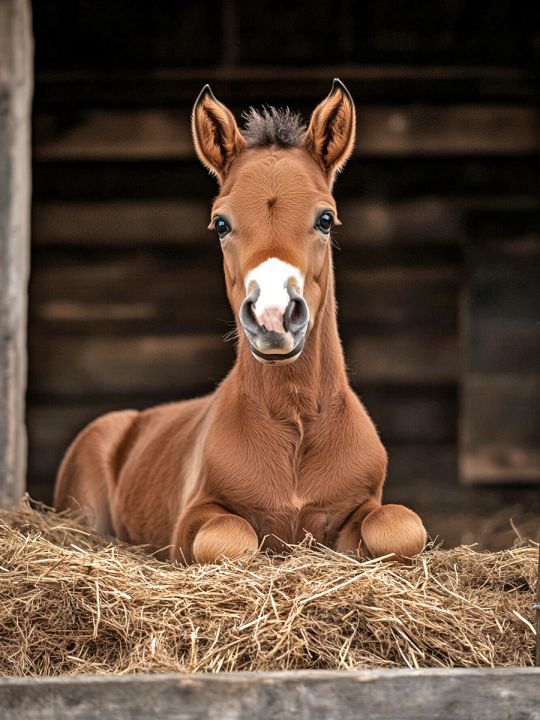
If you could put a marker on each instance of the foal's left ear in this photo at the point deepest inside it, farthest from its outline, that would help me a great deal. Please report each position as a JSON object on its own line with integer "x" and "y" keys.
{"x": 331, "y": 132}
{"x": 216, "y": 135}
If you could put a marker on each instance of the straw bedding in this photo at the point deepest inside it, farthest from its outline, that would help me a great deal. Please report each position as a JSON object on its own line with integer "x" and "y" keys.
{"x": 72, "y": 603}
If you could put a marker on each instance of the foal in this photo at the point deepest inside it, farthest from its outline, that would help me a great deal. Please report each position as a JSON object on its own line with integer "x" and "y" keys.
{"x": 283, "y": 446}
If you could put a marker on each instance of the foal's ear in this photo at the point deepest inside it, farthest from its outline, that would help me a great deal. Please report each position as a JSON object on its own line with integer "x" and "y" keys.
{"x": 216, "y": 135}
{"x": 330, "y": 135}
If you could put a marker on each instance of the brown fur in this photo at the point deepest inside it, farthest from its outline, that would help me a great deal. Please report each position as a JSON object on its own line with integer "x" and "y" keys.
{"x": 275, "y": 451}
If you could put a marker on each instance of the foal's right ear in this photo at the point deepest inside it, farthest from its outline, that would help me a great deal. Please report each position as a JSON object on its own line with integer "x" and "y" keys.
{"x": 216, "y": 135}
{"x": 330, "y": 135}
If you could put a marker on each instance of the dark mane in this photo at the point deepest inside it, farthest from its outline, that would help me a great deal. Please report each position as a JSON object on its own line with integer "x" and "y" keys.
{"x": 273, "y": 126}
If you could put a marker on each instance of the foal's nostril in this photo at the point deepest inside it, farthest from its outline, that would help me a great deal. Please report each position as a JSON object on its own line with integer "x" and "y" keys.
{"x": 296, "y": 315}
{"x": 247, "y": 315}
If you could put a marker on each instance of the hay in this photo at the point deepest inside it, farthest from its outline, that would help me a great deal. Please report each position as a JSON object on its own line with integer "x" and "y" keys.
{"x": 73, "y": 603}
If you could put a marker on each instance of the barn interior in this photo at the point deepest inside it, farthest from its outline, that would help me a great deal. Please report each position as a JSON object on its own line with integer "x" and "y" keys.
{"x": 437, "y": 261}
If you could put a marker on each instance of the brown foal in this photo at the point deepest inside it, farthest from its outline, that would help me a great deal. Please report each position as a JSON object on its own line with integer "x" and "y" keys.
{"x": 283, "y": 447}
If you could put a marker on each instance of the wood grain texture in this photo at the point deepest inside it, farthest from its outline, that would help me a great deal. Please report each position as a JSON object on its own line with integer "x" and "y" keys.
{"x": 15, "y": 100}
{"x": 382, "y": 178}
{"x": 408, "y": 130}
{"x": 503, "y": 694}
{"x": 142, "y": 365}
{"x": 500, "y": 429}
{"x": 69, "y": 88}
{"x": 404, "y": 358}
{"x": 421, "y": 221}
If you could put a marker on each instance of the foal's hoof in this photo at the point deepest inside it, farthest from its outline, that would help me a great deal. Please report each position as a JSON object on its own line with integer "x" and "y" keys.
{"x": 393, "y": 529}
{"x": 224, "y": 536}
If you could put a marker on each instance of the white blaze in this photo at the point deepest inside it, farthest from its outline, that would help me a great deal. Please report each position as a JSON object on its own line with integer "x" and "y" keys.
{"x": 272, "y": 277}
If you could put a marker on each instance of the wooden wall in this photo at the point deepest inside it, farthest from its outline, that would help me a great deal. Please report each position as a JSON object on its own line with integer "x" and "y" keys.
{"x": 127, "y": 301}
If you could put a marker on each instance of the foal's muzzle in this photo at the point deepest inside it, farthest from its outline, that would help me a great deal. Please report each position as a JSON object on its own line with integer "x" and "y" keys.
{"x": 268, "y": 344}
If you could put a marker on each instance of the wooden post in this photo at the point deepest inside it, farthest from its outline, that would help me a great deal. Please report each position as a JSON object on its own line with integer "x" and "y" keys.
{"x": 16, "y": 56}
{"x": 537, "y": 658}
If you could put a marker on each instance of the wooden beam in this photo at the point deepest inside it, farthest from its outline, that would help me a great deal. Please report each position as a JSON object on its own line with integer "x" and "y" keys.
{"x": 415, "y": 130}
{"x": 422, "y": 359}
{"x": 256, "y": 84}
{"x": 128, "y": 222}
{"x": 425, "y": 220}
{"x": 142, "y": 365}
{"x": 453, "y": 694}
{"x": 15, "y": 98}
{"x": 394, "y": 177}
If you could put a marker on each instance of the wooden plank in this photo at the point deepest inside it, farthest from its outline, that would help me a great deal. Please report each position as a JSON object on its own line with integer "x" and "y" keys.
{"x": 425, "y": 220}
{"x": 127, "y": 222}
{"x": 425, "y": 476}
{"x": 142, "y": 365}
{"x": 428, "y": 220}
{"x": 113, "y": 135}
{"x": 318, "y": 695}
{"x": 396, "y": 178}
{"x": 408, "y": 130}
{"x": 133, "y": 291}
{"x": 412, "y": 414}
{"x": 368, "y": 82}
{"x": 498, "y": 222}
{"x": 137, "y": 290}
{"x": 455, "y": 33}
{"x": 127, "y": 35}
{"x": 500, "y": 462}
{"x": 393, "y": 298}
{"x": 403, "y": 359}
{"x": 15, "y": 102}
{"x": 460, "y": 130}
{"x": 165, "y": 36}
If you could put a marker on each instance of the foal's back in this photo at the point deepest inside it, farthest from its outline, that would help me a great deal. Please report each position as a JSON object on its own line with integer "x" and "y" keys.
{"x": 127, "y": 470}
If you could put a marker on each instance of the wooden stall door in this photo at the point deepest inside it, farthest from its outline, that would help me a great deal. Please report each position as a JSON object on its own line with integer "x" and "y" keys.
{"x": 500, "y": 428}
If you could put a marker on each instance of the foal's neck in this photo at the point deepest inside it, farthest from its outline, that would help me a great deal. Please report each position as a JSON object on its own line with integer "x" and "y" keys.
{"x": 304, "y": 387}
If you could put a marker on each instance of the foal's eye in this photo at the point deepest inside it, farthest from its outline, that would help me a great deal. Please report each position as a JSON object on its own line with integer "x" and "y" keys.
{"x": 324, "y": 223}
{"x": 222, "y": 227}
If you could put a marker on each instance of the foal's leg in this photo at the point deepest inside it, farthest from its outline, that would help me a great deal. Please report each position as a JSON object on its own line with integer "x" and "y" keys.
{"x": 205, "y": 532}
{"x": 384, "y": 530}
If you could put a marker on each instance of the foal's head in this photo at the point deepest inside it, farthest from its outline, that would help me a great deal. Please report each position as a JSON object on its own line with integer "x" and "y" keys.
{"x": 274, "y": 212}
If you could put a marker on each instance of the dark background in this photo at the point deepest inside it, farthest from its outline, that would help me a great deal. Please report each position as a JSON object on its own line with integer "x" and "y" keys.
{"x": 439, "y": 257}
